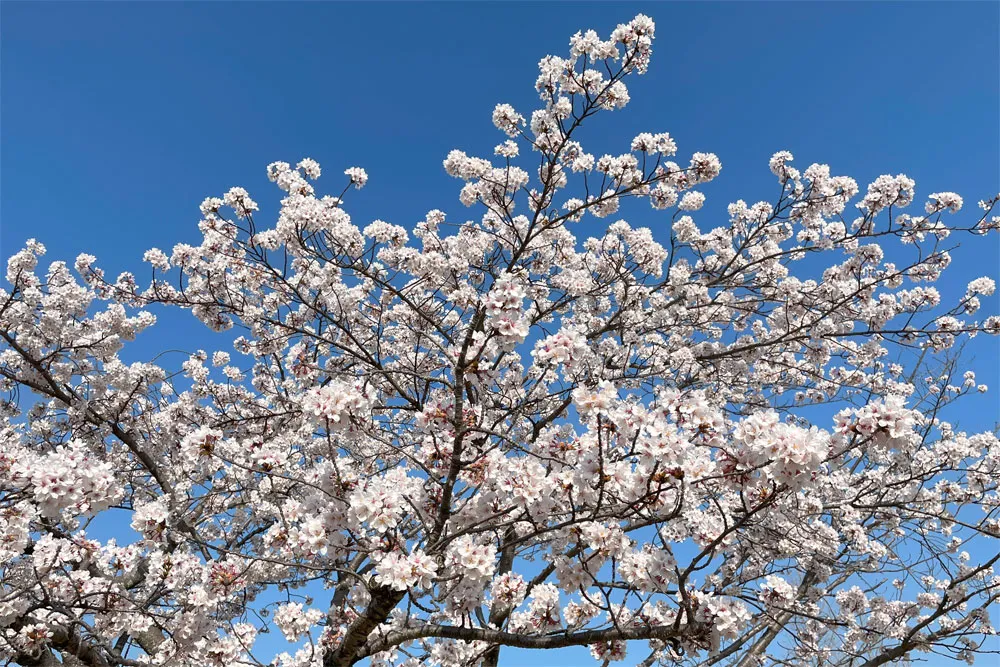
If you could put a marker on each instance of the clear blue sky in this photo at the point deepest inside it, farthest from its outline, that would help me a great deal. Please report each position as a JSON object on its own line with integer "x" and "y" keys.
{"x": 119, "y": 118}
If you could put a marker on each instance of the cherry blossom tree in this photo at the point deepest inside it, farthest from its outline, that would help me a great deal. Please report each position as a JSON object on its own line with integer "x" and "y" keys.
{"x": 423, "y": 447}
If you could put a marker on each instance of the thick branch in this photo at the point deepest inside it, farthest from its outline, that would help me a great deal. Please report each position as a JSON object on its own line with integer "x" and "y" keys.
{"x": 516, "y": 640}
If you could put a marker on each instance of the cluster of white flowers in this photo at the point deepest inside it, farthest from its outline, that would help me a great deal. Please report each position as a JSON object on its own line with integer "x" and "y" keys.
{"x": 157, "y": 259}
{"x": 727, "y": 615}
{"x": 888, "y": 191}
{"x": 691, "y": 201}
{"x": 543, "y": 613}
{"x": 508, "y": 590}
{"x": 649, "y": 569}
{"x": 71, "y": 477}
{"x": 200, "y": 444}
{"x": 604, "y": 539}
{"x": 239, "y": 200}
{"x": 401, "y": 571}
{"x": 15, "y": 530}
{"x": 662, "y": 196}
{"x": 504, "y": 311}
{"x": 337, "y": 405}
{"x": 939, "y": 201}
{"x": 379, "y": 505}
{"x": 567, "y": 347}
{"x": 888, "y": 423}
{"x": 590, "y": 44}
{"x": 791, "y": 454}
{"x": 310, "y": 537}
{"x": 288, "y": 179}
{"x": 609, "y": 651}
{"x": 985, "y": 286}
{"x": 778, "y": 165}
{"x": 590, "y": 400}
{"x": 150, "y": 519}
{"x": 476, "y": 561}
{"x": 777, "y": 591}
{"x": 661, "y": 143}
{"x": 852, "y": 602}
{"x": 704, "y": 167}
{"x": 460, "y": 165}
{"x": 507, "y": 120}
{"x": 294, "y": 621}
{"x": 384, "y": 232}
{"x": 692, "y": 410}
{"x": 358, "y": 176}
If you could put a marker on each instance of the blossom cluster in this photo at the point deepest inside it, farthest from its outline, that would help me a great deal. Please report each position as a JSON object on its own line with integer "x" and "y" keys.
{"x": 337, "y": 404}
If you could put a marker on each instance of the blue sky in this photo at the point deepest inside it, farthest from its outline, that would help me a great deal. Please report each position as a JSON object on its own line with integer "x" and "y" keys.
{"x": 119, "y": 118}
